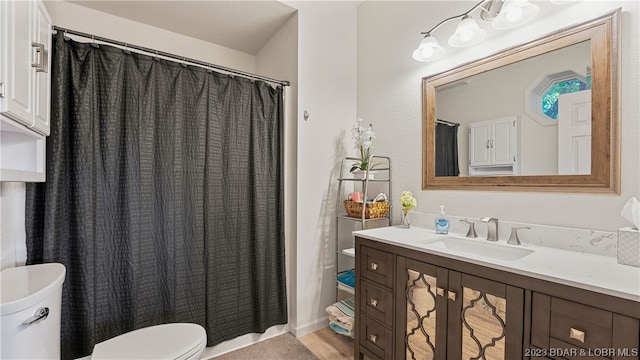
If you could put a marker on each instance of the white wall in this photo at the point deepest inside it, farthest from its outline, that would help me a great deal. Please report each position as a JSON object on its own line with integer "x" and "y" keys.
{"x": 327, "y": 91}
{"x": 279, "y": 59}
{"x": 389, "y": 96}
{"x": 13, "y": 248}
{"x": 80, "y": 18}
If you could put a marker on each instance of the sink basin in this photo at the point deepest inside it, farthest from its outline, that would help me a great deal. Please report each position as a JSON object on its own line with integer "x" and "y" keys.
{"x": 478, "y": 247}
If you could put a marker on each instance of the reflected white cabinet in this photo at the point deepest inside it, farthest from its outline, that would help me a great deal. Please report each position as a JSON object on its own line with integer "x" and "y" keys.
{"x": 25, "y": 89}
{"x": 493, "y": 147}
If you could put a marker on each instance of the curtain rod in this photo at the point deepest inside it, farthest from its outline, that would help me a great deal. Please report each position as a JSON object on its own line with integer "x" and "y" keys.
{"x": 445, "y": 122}
{"x": 172, "y": 56}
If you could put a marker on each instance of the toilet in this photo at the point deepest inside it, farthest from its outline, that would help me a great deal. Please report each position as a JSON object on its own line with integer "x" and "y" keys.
{"x": 30, "y": 308}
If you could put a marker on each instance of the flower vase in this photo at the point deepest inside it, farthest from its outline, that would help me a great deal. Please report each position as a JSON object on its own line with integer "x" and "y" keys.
{"x": 404, "y": 222}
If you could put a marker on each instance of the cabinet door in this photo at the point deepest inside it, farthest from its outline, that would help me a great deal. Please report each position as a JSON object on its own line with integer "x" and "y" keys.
{"x": 501, "y": 142}
{"x": 485, "y": 319}
{"x": 42, "y": 35}
{"x": 479, "y": 143}
{"x": 421, "y": 311}
{"x": 17, "y": 74}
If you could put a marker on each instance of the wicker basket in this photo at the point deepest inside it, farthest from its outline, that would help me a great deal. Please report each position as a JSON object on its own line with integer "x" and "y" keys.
{"x": 374, "y": 210}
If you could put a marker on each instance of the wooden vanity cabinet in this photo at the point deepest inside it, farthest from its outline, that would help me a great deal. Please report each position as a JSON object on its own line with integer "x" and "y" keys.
{"x": 446, "y": 314}
{"x": 415, "y": 305}
{"x": 374, "y": 301}
{"x": 412, "y": 309}
{"x": 563, "y": 329}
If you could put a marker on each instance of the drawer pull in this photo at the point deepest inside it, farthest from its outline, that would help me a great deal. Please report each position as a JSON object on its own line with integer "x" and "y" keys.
{"x": 451, "y": 295}
{"x": 440, "y": 291}
{"x": 576, "y": 335}
{"x": 374, "y": 266}
{"x": 373, "y": 338}
{"x": 374, "y": 302}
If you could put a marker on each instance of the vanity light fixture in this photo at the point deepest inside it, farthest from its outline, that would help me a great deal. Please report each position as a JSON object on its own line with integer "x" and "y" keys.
{"x": 515, "y": 13}
{"x": 504, "y": 14}
{"x": 467, "y": 33}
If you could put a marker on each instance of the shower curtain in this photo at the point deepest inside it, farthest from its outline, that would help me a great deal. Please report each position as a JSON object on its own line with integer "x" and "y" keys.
{"x": 446, "y": 150}
{"x": 163, "y": 197}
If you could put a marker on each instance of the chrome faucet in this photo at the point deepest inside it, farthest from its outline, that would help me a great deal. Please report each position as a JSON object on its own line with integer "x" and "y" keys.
{"x": 471, "y": 233}
{"x": 492, "y": 228}
{"x": 514, "y": 239}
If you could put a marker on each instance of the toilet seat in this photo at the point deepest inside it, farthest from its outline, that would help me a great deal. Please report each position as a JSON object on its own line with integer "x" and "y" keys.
{"x": 177, "y": 341}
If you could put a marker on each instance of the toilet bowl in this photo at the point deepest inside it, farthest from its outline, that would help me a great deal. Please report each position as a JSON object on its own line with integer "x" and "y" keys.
{"x": 30, "y": 307}
{"x": 178, "y": 341}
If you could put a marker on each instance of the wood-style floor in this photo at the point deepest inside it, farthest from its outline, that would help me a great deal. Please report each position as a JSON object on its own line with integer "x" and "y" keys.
{"x": 327, "y": 345}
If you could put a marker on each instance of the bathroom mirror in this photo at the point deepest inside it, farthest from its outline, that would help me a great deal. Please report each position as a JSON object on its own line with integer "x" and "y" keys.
{"x": 516, "y": 115}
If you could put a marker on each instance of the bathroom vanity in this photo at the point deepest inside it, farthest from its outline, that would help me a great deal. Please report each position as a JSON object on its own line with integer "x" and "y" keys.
{"x": 427, "y": 296}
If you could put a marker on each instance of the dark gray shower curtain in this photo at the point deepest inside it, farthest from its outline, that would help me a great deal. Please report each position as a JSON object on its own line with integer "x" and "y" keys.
{"x": 447, "y": 150}
{"x": 163, "y": 197}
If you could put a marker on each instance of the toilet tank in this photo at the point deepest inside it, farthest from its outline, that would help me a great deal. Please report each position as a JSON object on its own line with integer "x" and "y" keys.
{"x": 30, "y": 302}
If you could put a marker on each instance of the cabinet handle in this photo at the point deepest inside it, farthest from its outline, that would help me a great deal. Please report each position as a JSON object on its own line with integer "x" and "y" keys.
{"x": 576, "y": 335}
{"x": 487, "y": 144}
{"x": 440, "y": 291}
{"x": 492, "y": 143}
{"x": 374, "y": 266}
{"x": 42, "y": 57}
{"x": 374, "y": 302}
{"x": 373, "y": 338}
{"x": 451, "y": 295}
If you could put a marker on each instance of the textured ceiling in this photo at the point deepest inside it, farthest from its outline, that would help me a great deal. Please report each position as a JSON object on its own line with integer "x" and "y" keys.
{"x": 241, "y": 25}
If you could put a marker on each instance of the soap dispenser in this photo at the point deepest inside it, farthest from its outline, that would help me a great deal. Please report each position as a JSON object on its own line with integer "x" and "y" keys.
{"x": 442, "y": 223}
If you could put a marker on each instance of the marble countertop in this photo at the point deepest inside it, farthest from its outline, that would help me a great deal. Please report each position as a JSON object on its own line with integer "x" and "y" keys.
{"x": 597, "y": 273}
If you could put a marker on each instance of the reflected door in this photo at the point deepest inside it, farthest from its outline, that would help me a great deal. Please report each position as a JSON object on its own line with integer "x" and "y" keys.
{"x": 574, "y": 133}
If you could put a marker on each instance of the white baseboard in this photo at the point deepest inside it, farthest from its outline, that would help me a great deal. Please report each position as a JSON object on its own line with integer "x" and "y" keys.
{"x": 309, "y": 327}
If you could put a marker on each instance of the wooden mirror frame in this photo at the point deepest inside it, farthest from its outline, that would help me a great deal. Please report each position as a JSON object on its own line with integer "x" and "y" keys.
{"x": 604, "y": 33}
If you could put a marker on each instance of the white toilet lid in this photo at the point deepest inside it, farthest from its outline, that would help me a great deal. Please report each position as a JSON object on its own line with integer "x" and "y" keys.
{"x": 167, "y": 341}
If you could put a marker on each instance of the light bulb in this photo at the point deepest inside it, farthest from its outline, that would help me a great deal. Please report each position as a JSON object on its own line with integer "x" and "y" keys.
{"x": 514, "y": 13}
{"x": 466, "y": 35}
{"x": 427, "y": 52}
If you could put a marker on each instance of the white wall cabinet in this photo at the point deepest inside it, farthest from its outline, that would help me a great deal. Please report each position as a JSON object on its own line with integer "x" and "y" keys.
{"x": 25, "y": 89}
{"x": 493, "y": 147}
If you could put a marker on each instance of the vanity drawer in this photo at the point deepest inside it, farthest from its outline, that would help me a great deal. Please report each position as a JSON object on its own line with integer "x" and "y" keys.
{"x": 376, "y": 337}
{"x": 580, "y": 325}
{"x": 377, "y": 266}
{"x": 377, "y": 302}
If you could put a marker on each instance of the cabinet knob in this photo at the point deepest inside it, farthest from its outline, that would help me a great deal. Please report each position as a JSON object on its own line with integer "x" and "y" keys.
{"x": 374, "y": 302}
{"x": 373, "y": 338}
{"x": 374, "y": 266}
{"x": 451, "y": 295}
{"x": 440, "y": 291}
{"x": 576, "y": 335}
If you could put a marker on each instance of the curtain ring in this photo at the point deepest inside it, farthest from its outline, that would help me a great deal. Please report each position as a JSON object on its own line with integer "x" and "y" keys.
{"x": 94, "y": 44}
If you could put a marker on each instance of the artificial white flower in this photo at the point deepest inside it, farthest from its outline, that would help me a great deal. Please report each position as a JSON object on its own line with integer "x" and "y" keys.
{"x": 363, "y": 142}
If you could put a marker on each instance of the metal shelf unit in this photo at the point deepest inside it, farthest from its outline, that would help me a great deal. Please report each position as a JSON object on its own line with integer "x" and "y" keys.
{"x": 381, "y": 168}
